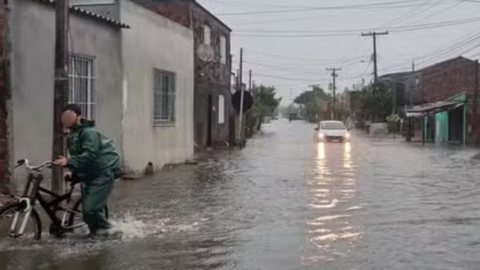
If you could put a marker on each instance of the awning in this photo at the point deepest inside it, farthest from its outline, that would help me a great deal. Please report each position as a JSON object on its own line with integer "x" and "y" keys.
{"x": 421, "y": 110}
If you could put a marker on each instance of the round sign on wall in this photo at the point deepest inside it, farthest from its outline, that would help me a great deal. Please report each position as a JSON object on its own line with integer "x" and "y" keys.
{"x": 247, "y": 100}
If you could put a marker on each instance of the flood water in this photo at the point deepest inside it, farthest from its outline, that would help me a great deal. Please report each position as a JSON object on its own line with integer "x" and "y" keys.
{"x": 285, "y": 202}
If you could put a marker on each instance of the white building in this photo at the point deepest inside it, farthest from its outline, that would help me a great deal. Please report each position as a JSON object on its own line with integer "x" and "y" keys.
{"x": 135, "y": 79}
{"x": 157, "y": 89}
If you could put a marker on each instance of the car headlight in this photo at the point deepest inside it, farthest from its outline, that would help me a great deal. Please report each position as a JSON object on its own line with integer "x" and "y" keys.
{"x": 321, "y": 136}
{"x": 347, "y": 135}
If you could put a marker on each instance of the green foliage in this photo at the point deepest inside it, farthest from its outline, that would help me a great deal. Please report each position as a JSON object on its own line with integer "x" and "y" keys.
{"x": 265, "y": 104}
{"x": 393, "y": 123}
{"x": 314, "y": 103}
{"x": 372, "y": 104}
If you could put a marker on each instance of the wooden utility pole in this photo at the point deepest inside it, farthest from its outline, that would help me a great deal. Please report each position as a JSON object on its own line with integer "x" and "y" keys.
{"x": 475, "y": 106}
{"x": 240, "y": 82}
{"x": 250, "y": 80}
{"x": 375, "y": 66}
{"x": 413, "y": 87}
{"x": 61, "y": 87}
{"x": 334, "y": 88}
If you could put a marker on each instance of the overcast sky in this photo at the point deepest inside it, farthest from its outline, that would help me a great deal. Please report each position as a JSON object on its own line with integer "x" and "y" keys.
{"x": 290, "y": 43}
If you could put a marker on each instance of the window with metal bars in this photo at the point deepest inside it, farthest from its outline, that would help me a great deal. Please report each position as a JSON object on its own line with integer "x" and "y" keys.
{"x": 82, "y": 81}
{"x": 164, "y": 98}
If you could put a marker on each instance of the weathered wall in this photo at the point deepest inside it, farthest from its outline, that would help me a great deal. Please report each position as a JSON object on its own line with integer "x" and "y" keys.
{"x": 448, "y": 79}
{"x": 154, "y": 42}
{"x": 211, "y": 78}
{"x": 4, "y": 99}
{"x": 33, "y": 38}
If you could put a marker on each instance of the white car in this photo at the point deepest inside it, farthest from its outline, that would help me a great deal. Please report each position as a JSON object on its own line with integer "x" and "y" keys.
{"x": 332, "y": 130}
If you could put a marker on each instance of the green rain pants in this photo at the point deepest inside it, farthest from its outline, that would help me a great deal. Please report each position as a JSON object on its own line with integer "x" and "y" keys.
{"x": 94, "y": 199}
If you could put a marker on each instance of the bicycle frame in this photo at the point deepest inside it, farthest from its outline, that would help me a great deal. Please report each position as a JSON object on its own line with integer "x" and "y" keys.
{"x": 32, "y": 195}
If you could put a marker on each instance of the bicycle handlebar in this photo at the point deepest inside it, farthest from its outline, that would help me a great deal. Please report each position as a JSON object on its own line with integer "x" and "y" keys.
{"x": 24, "y": 162}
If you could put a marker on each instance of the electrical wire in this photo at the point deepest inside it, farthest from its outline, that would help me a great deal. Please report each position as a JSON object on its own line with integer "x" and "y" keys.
{"x": 390, "y": 4}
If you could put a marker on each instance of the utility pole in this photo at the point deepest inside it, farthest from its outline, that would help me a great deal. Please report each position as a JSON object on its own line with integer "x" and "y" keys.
{"x": 334, "y": 88}
{"x": 375, "y": 67}
{"x": 61, "y": 87}
{"x": 240, "y": 80}
{"x": 250, "y": 80}
{"x": 413, "y": 87}
{"x": 475, "y": 106}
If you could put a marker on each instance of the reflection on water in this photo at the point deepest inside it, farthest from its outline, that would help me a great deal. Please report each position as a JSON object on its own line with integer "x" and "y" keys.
{"x": 347, "y": 156}
{"x": 332, "y": 192}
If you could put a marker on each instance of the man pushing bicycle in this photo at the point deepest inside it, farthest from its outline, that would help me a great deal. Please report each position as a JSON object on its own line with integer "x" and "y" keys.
{"x": 94, "y": 162}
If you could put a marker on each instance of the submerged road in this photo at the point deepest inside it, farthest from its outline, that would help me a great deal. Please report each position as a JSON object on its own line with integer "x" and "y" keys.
{"x": 285, "y": 202}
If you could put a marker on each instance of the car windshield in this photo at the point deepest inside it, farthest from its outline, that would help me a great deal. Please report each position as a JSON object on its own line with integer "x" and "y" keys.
{"x": 333, "y": 125}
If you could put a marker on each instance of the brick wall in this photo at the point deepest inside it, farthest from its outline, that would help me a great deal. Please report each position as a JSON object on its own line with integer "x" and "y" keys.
{"x": 192, "y": 16}
{"x": 448, "y": 79}
{"x": 177, "y": 11}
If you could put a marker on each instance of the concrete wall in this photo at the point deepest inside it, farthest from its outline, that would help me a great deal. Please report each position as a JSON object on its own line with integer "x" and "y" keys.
{"x": 154, "y": 42}
{"x": 211, "y": 79}
{"x": 33, "y": 38}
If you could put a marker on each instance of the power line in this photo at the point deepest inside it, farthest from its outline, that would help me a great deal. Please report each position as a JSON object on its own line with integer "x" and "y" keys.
{"x": 390, "y": 4}
{"x": 286, "y": 78}
{"x": 303, "y": 59}
{"x": 350, "y": 32}
{"x": 275, "y": 67}
{"x": 436, "y": 13}
{"x": 410, "y": 13}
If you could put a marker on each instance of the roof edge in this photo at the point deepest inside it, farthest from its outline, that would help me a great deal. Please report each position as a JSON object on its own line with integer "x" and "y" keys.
{"x": 211, "y": 14}
{"x": 83, "y": 12}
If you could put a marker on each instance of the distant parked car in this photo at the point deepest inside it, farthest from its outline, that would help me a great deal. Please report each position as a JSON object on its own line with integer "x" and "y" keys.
{"x": 331, "y": 131}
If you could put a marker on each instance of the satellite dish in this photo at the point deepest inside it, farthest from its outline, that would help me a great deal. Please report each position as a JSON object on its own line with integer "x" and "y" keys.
{"x": 205, "y": 53}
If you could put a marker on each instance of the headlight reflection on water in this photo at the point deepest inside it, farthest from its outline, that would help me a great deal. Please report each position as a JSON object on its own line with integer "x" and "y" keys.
{"x": 332, "y": 203}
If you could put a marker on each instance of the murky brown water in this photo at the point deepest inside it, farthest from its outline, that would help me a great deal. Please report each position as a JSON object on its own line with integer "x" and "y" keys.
{"x": 287, "y": 203}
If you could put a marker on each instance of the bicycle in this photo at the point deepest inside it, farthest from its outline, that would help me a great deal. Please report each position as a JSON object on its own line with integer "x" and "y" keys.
{"x": 16, "y": 217}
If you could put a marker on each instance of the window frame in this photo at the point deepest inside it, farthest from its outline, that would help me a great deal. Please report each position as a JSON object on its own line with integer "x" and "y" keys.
{"x": 223, "y": 49}
{"x": 221, "y": 109}
{"x": 207, "y": 29}
{"x": 91, "y": 77}
{"x": 158, "y": 120}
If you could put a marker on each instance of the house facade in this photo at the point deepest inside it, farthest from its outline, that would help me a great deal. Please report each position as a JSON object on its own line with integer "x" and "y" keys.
{"x": 157, "y": 89}
{"x": 214, "y": 118}
{"x": 447, "y": 91}
{"x": 135, "y": 81}
{"x": 95, "y": 77}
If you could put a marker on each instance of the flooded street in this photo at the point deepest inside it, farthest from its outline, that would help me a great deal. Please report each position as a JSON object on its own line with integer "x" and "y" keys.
{"x": 285, "y": 202}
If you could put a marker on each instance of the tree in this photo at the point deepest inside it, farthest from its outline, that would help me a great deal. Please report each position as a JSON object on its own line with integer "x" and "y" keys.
{"x": 314, "y": 103}
{"x": 371, "y": 104}
{"x": 265, "y": 104}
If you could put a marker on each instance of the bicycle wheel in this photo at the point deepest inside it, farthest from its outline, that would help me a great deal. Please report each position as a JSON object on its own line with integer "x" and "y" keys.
{"x": 14, "y": 214}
